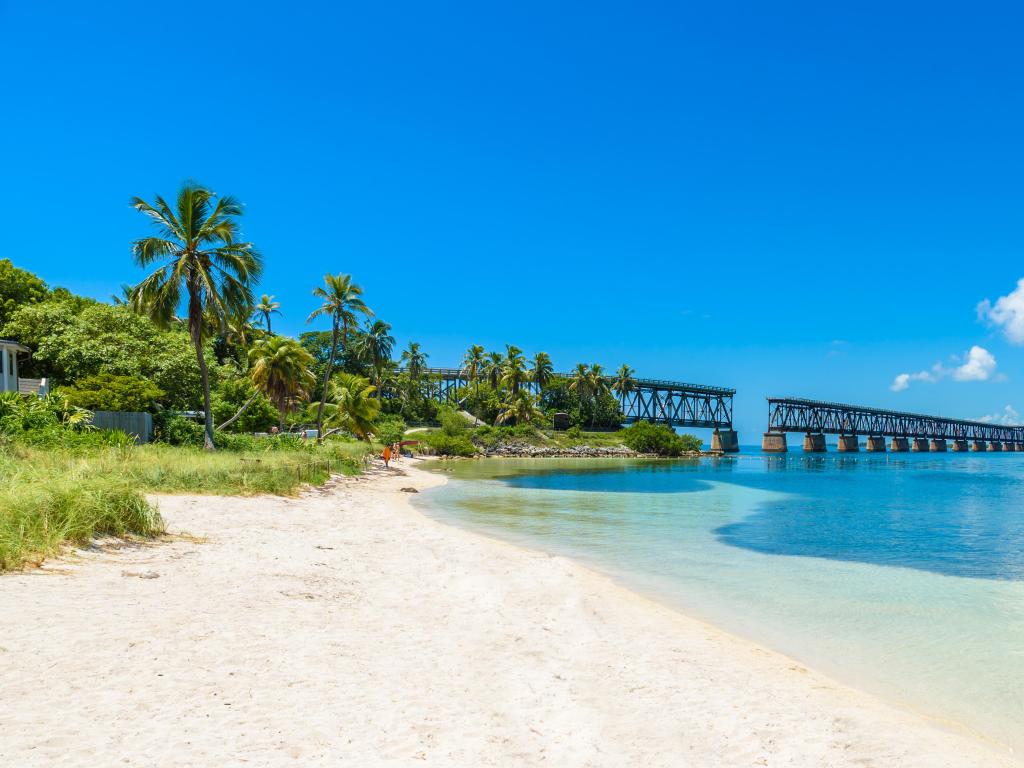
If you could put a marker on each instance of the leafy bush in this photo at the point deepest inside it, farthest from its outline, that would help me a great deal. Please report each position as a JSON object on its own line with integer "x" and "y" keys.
{"x": 453, "y": 423}
{"x": 490, "y": 436}
{"x": 450, "y": 445}
{"x": 111, "y": 392}
{"x": 644, "y": 437}
{"x": 389, "y": 429}
{"x": 230, "y": 395}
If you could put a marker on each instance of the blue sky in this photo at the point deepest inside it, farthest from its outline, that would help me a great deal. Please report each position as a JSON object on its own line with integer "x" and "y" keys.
{"x": 794, "y": 198}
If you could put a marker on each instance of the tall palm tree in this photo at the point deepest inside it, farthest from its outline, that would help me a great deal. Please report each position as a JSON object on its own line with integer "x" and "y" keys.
{"x": 266, "y": 308}
{"x": 580, "y": 382}
{"x": 492, "y": 367}
{"x": 473, "y": 364}
{"x": 513, "y": 371}
{"x": 124, "y": 298}
{"x": 598, "y": 389}
{"x": 414, "y": 359}
{"x": 281, "y": 369}
{"x": 376, "y": 345}
{"x": 625, "y": 382}
{"x": 542, "y": 370}
{"x": 342, "y": 302}
{"x": 353, "y": 406}
{"x": 205, "y": 265}
{"x": 520, "y": 407}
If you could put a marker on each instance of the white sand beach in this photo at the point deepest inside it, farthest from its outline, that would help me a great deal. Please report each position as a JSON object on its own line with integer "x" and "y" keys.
{"x": 345, "y": 628}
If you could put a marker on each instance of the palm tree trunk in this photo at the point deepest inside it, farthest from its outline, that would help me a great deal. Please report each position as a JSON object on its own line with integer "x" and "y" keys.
{"x": 241, "y": 410}
{"x": 269, "y": 332}
{"x": 195, "y": 320}
{"x": 327, "y": 380}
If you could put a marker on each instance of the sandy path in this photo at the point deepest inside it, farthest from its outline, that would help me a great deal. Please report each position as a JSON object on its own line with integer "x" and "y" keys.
{"x": 344, "y": 628}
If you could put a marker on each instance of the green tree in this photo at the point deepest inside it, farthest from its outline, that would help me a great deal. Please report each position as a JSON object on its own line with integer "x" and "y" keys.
{"x": 542, "y": 370}
{"x": 110, "y": 392}
{"x": 265, "y": 308}
{"x": 492, "y": 368}
{"x": 415, "y": 360}
{"x": 580, "y": 384}
{"x": 519, "y": 407}
{"x": 376, "y": 345}
{"x": 279, "y": 368}
{"x": 625, "y": 381}
{"x": 513, "y": 370}
{"x": 206, "y": 265}
{"x": 18, "y": 287}
{"x": 473, "y": 364}
{"x": 353, "y": 406}
{"x": 342, "y": 303}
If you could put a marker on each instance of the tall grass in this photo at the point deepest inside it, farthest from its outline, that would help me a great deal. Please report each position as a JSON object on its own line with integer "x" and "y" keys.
{"x": 49, "y": 497}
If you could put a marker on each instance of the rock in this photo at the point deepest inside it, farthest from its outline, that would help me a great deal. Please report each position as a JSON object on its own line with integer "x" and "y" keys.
{"x": 142, "y": 574}
{"x": 408, "y": 489}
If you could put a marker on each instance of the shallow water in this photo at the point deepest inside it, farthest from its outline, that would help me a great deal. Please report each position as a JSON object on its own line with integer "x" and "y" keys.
{"x": 902, "y": 574}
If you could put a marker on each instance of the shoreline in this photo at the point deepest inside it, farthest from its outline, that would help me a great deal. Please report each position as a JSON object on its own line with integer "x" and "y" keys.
{"x": 348, "y": 624}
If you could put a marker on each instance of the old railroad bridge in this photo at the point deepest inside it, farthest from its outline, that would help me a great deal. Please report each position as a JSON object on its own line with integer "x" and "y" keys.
{"x": 909, "y": 431}
{"x": 655, "y": 400}
{"x": 678, "y": 404}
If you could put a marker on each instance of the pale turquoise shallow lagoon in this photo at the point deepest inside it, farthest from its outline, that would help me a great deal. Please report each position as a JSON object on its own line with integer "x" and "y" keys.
{"x": 902, "y": 574}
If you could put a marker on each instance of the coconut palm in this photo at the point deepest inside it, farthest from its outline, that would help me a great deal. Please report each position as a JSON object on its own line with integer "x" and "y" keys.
{"x": 353, "y": 406}
{"x": 542, "y": 370}
{"x": 473, "y": 364}
{"x": 267, "y": 307}
{"x": 124, "y": 298}
{"x": 342, "y": 302}
{"x": 513, "y": 370}
{"x": 376, "y": 345}
{"x": 520, "y": 407}
{"x": 580, "y": 382}
{"x": 492, "y": 367}
{"x": 625, "y": 381}
{"x": 598, "y": 388}
{"x": 415, "y": 360}
{"x": 205, "y": 264}
{"x": 281, "y": 369}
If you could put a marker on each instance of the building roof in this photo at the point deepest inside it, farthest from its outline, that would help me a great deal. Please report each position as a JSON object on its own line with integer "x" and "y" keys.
{"x": 19, "y": 347}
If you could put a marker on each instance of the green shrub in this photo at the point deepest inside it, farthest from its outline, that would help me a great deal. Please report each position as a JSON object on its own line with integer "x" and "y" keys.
{"x": 389, "y": 429}
{"x": 645, "y": 437}
{"x": 450, "y": 445}
{"x": 110, "y": 392}
{"x": 453, "y": 423}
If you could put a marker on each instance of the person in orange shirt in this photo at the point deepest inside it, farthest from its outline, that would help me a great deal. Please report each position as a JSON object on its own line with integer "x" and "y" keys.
{"x": 386, "y": 455}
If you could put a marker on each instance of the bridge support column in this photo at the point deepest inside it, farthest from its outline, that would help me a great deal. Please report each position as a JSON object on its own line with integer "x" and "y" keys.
{"x": 774, "y": 442}
{"x": 814, "y": 442}
{"x": 938, "y": 446}
{"x": 959, "y": 446}
{"x": 725, "y": 440}
{"x": 875, "y": 444}
{"x": 899, "y": 445}
{"x": 920, "y": 445}
{"x": 979, "y": 445}
{"x": 1009, "y": 446}
{"x": 848, "y": 444}
{"x": 1020, "y": 446}
{"x": 995, "y": 445}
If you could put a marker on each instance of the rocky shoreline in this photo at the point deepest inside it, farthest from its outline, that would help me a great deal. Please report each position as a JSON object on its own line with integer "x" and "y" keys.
{"x": 526, "y": 451}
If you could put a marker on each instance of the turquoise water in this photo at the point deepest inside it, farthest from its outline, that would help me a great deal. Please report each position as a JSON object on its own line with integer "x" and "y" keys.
{"x": 902, "y": 574}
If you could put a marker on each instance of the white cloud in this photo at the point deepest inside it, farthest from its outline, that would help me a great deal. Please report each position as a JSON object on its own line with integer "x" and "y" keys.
{"x": 1008, "y": 416}
{"x": 977, "y": 364}
{"x": 1007, "y": 313}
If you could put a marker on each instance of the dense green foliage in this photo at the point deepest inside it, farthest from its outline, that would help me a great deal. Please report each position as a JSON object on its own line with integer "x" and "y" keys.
{"x": 644, "y": 437}
{"x": 18, "y": 288}
{"x": 452, "y": 439}
{"x": 110, "y": 392}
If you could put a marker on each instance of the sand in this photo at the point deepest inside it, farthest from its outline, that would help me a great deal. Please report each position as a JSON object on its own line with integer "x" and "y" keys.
{"x": 344, "y": 628}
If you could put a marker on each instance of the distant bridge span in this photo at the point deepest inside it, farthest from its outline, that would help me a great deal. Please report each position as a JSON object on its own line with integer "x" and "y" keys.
{"x": 655, "y": 400}
{"x": 909, "y": 431}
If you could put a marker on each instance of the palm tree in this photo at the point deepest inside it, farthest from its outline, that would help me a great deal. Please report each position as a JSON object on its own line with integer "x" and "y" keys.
{"x": 124, "y": 298}
{"x": 473, "y": 364}
{"x": 266, "y": 308}
{"x": 580, "y": 383}
{"x": 513, "y": 371}
{"x": 492, "y": 367}
{"x": 415, "y": 360}
{"x": 598, "y": 388}
{"x": 353, "y": 406}
{"x": 625, "y": 382}
{"x": 342, "y": 302}
{"x": 205, "y": 264}
{"x": 376, "y": 344}
{"x": 520, "y": 407}
{"x": 279, "y": 368}
{"x": 542, "y": 371}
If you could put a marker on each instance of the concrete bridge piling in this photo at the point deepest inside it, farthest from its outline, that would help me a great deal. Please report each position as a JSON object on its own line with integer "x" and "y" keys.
{"x": 996, "y": 446}
{"x": 848, "y": 444}
{"x": 814, "y": 442}
{"x": 899, "y": 445}
{"x": 920, "y": 445}
{"x": 979, "y": 445}
{"x": 725, "y": 440}
{"x": 937, "y": 446}
{"x": 875, "y": 444}
{"x": 959, "y": 446}
{"x": 774, "y": 442}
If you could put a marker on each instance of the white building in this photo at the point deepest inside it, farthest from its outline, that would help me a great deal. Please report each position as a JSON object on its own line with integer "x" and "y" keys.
{"x": 9, "y": 381}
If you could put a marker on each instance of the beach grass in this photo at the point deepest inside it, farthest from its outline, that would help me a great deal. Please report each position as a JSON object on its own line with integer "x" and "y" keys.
{"x": 51, "y": 498}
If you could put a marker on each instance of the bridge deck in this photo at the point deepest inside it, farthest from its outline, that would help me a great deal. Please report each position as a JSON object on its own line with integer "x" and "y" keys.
{"x": 792, "y": 414}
